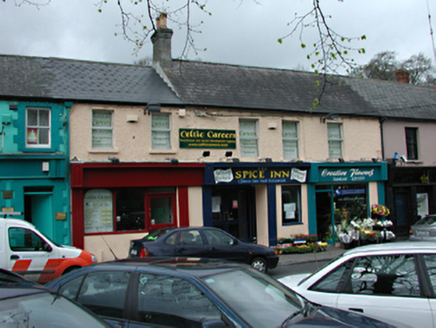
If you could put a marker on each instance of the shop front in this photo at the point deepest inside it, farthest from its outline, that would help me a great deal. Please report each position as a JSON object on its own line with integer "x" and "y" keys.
{"x": 341, "y": 193}
{"x": 114, "y": 203}
{"x": 410, "y": 195}
{"x": 241, "y": 198}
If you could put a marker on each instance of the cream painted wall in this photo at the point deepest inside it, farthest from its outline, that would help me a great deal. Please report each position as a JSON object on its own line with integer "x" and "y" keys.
{"x": 287, "y": 231}
{"x": 262, "y": 215}
{"x": 132, "y": 140}
{"x": 195, "y": 202}
{"x": 119, "y": 244}
{"x": 373, "y": 193}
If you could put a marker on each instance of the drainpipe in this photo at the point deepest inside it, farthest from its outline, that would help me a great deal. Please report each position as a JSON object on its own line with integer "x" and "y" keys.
{"x": 381, "y": 120}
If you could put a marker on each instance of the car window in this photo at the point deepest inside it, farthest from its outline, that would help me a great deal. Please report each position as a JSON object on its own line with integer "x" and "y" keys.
{"x": 25, "y": 240}
{"x": 171, "y": 301}
{"x": 171, "y": 239}
{"x": 103, "y": 293}
{"x": 428, "y": 220}
{"x": 71, "y": 288}
{"x": 216, "y": 237}
{"x": 393, "y": 275}
{"x": 430, "y": 263}
{"x": 190, "y": 237}
{"x": 335, "y": 281}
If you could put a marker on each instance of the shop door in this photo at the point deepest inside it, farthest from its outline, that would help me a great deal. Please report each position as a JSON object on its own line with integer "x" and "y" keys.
{"x": 324, "y": 208}
{"x": 39, "y": 211}
{"x": 402, "y": 214}
{"x": 233, "y": 211}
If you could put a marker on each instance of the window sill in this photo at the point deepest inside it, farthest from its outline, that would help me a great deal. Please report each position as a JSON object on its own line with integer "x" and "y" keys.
{"x": 291, "y": 223}
{"x": 162, "y": 152}
{"x": 103, "y": 151}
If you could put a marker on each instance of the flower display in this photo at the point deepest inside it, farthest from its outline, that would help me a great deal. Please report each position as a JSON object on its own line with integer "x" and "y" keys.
{"x": 379, "y": 210}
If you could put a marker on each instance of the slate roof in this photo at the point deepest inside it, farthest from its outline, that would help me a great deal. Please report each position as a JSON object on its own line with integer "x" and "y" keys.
{"x": 397, "y": 100}
{"x": 65, "y": 79}
{"x": 221, "y": 85}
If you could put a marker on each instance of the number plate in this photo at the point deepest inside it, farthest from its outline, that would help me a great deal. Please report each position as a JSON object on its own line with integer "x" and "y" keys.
{"x": 422, "y": 233}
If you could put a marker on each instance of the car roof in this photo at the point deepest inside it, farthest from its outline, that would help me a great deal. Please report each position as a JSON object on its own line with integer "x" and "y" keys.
{"x": 394, "y": 247}
{"x": 180, "y": 266}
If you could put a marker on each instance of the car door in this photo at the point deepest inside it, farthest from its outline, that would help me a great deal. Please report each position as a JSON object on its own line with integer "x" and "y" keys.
{"x": 223, "y": 246}
{"x": 190, "y": 243}
{"x": 386, "y": 287}
{"x": 429, "y": 271}
{"x": 28, "y": 253}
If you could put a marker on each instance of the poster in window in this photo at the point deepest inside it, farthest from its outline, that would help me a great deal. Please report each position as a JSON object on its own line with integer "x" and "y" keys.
{"x": 289, "y": 209}
{"x": 98, "y": 206}
{"x": 32, "y": 136}
{"x": 216, "y": 204}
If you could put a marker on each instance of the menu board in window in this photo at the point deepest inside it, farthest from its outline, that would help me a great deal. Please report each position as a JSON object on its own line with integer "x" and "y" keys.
{"x": 98, "y": 204}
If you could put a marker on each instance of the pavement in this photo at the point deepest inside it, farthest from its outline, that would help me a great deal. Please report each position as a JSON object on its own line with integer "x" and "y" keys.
{"x": 330, "y": 253}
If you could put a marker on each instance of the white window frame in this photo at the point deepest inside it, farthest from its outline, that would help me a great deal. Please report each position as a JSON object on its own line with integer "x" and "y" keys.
{"x": 251, "y": 139}
{"x": 334, "y": 140}
{"x": 30, "y": 129}
{"x": 98, "y": 128}
{"x": 288, "y": 138}
{"x": 160, "y": 130}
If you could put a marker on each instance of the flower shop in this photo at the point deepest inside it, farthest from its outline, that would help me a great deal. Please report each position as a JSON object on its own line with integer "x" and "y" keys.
{"x": 375, "y": 229}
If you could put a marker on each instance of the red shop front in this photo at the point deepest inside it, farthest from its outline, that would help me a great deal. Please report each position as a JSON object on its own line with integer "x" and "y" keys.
{"x": 121, "y": 198}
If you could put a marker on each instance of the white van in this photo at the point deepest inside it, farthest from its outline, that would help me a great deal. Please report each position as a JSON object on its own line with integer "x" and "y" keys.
{"x": 26, "y": 251}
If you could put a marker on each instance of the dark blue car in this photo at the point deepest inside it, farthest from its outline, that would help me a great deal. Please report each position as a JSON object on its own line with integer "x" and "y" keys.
{"x": 182, "y": 292}
{"x": 204, "y": 242}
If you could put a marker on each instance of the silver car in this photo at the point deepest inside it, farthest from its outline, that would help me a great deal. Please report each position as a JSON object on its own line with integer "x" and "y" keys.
{"x": 424, "y": 229}
{"x": 394, "y": 282}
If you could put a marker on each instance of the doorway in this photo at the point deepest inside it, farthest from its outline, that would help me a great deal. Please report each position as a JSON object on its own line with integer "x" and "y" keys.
{"x": 233, "y": 211}
{"x": 38, "y": 210}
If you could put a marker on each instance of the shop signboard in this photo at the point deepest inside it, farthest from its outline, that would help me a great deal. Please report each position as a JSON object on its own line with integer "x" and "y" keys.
{"x": 259, "y": 175}
{"x": 207, "y": 138}
{"x": 350, "y": 174}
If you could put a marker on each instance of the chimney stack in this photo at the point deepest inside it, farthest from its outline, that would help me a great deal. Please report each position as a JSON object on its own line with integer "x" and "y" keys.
{"x": 402, "y": 76}
{"x": 161, "y": 40}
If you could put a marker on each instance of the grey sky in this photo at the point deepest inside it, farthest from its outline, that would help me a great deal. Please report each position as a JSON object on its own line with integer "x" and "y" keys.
{"x": 238, "y": 32}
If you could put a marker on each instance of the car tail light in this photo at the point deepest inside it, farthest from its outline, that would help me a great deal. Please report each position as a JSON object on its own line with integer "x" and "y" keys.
{"x": 143, "y": 252}
{"x": 411, "y": 231}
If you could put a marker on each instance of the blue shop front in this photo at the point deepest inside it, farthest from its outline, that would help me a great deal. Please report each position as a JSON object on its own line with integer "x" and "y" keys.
{"x": 243, "y": 198}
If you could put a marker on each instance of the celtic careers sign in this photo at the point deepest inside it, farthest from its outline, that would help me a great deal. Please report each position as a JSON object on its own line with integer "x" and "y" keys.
{"x": 204, "y": 138}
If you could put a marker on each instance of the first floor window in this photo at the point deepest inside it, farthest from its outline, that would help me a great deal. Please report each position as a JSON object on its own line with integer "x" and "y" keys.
{"x": 412, "y": 143}
{"x": 160, "y": 131}
{"x": 335, "y": 140}
{"x": 290, "y": 139}
{"x": 248, "y": 138}
{"x": 291, "y": 212}
{"x": 102, "y": 129}
{"x": 37, "y": 127}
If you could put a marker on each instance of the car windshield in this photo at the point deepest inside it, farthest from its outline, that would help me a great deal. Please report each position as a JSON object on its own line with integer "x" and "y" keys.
{"x": 258, "y": 299}
{"x": 428, "y": 220}
{"x": 44, "y": 310}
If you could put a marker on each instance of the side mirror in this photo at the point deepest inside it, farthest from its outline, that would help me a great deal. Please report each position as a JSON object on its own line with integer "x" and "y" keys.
{"x": 47, "y": 248}
{"x": 213, "y": 324}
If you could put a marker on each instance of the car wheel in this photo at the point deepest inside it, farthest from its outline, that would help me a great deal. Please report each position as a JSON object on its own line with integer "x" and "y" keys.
{"x": 259, "y": 264}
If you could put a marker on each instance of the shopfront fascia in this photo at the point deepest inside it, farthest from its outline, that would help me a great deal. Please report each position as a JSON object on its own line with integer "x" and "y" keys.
{"x": 343, "y": 191}
{"x": 241, "y": 198}
{"x": 127, "y": 198}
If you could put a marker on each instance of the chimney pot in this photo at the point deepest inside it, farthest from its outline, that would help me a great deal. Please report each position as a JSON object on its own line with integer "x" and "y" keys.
{"x": 402, "y": 76}
{"x": 161, "y": 21}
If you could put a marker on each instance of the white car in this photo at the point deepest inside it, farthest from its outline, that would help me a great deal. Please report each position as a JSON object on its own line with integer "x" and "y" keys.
{"x": 394, "y": 282}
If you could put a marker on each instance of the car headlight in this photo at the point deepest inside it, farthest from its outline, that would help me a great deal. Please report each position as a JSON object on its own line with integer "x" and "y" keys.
{"x": 93, "y": 258}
